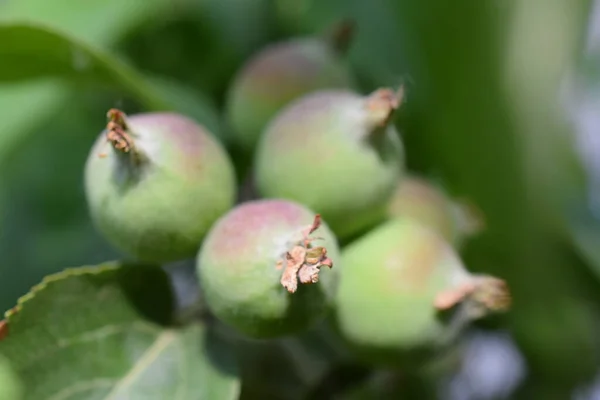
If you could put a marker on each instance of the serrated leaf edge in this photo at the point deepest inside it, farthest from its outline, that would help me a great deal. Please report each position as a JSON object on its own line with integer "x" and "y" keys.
{"x": 64, "y": 274}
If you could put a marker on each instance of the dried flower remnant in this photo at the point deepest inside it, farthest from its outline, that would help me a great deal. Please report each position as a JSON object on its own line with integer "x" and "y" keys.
{"x": 304, "y": 262}
{"x": 116, "y": 132}
{"x": 315, "y": 259}
{"x": 491, "y": 294}
{"x": 484, "y": 294}
{"x": 383, "y": 103}
{"x": 294, "y": 260}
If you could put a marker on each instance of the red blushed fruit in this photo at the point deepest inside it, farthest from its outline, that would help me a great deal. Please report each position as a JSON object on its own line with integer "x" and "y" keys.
{"x": 337, "y": 152}
{"x": 398, "y": 281}
{"x": 280, "y": 73}
{"x": 155, "y": 183}
{"x": 261, "y": 268}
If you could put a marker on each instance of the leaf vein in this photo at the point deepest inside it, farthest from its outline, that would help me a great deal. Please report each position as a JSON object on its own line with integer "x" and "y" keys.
{"x": 78, "y": 387}
{"x": 145, "y": 361}
{"x": 103, "y": 332}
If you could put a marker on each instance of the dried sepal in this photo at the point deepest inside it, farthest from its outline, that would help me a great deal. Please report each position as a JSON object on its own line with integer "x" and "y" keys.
{"x": 315, "y": 259}
{"x": 294, "y": 261}
{"x": 116, "y": 132}
{"x": 304, "y": 262}
{"x": 306, "y": 232}
{"x": 451, "y": 297}
{"x": 484, "y": 294}
{"x": 117, "y": 117}
{"x": 491, "y": 294}
{"x": 382, "y": 104}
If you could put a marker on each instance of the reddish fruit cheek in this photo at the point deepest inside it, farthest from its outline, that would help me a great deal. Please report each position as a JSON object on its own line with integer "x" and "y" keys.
{"x": 245, "y": 230}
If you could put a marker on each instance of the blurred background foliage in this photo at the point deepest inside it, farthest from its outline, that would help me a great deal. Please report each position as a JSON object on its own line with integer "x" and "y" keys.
{"x": 502, "y": 107}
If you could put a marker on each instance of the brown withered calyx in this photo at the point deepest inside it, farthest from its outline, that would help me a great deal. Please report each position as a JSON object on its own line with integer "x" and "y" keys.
{"x": 303, "y": 262}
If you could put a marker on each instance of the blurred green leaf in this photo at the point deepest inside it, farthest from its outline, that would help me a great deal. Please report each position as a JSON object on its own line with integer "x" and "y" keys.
{"x": 584, "y": 231}
{"x": 590, "y": 69}
{"x": 11, "y": 387}
{"x": 32, "y": 50}
{"x": 24, "y": 106}
{"x": 102, "y": 332}
{"x": 98, "y": 22}
{"x": 484, "y": 113}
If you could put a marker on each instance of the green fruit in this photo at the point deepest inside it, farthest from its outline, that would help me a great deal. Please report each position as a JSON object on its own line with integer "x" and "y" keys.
{"x": 260, "y": 275}
{"x": 275, "y": 76}
{"x": 417, "y": 198}
{"x": 10, "y": 385}
{"x": 404, "y": 294}
{"x": 336, "y": 152}
{"x": 158, "y": 186}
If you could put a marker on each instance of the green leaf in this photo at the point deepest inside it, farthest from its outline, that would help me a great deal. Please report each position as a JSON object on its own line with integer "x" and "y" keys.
{"x": 11, "y": 387}
{"x": 484, "y": 112}
{"x": 103, "y": 332}
{"x": 99, "y": 22}
{"x": 32, "y": 51}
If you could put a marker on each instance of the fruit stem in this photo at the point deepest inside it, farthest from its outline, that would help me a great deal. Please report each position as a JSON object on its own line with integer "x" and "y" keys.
{"x": 340, "y": 36}
{"x": 381, "y": 105}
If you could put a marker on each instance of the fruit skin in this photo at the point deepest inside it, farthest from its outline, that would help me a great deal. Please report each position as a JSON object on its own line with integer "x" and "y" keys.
{"x": 416, "y": 197}
{"x": 160, "y": 208}
{"x": 237, "y": 270}
{"x": 336, "y": 152}
{"x": 276, "y": 75}
{"x": 397, "y": 283}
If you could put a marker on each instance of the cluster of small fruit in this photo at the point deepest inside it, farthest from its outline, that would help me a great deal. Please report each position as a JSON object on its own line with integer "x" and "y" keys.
{"x": 328, "y": 166}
